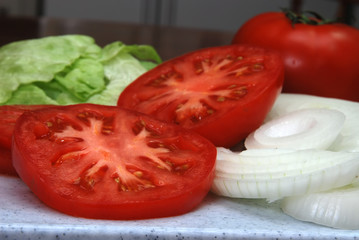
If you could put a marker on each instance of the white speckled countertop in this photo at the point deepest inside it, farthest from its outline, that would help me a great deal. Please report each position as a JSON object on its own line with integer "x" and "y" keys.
{"x": 23, "y": 216}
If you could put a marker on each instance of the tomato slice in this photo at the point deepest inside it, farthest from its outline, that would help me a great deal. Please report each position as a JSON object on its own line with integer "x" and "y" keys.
{"x": 223, "y": 93}
{"x": 8, "y": 116}
{"x": 110, "y": 163}
{"x": 6, "y": 163}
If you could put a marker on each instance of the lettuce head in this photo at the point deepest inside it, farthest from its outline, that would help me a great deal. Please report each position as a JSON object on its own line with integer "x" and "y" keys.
{"x": 70, "y": 69}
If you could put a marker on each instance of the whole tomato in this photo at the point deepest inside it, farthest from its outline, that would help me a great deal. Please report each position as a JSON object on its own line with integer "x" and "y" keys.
{"x": 320, "y": 57}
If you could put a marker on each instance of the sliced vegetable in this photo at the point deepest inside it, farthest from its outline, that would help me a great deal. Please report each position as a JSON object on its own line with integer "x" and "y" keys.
{"x": 302, "y": 129}
{"x": 106, "y": 162}
{"x": 8, "y": 116}
{"x": 348, "y": 139}
{"x": 5, "y": 162}
{"x": 337, "y": 208}
{"x": 278, "y": 173}
{"x": 310, "y": 160}
{"x": 222, "y": 93}
{"x": 69, "y": 69}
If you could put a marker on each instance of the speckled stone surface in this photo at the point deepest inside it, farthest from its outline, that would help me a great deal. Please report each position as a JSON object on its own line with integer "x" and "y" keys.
{"x": 23, "y": 216}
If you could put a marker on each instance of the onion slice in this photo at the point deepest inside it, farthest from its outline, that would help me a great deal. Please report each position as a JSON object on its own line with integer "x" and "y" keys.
{"x": 348, "y": 139}
{"x": 302, "y": 129}
{"x": 277, "y": 173}
{"x": 309, "y": 161}
{"x": 335, "y": 208}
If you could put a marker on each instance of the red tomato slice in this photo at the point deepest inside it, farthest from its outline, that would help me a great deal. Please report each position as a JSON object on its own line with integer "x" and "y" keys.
{"x": 8, "y": 116}
{"x": 5, "y": 162}
{"x": 110, "y": 163}
{"x": 223, "y": 93}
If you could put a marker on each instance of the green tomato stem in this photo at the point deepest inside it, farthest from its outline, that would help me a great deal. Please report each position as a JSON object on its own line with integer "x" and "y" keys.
{"x": 313, "y": 19}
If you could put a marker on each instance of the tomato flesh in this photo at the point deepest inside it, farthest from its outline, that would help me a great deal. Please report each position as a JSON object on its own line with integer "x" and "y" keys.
{"x": 8, "y": 116}
{"x": 223, "y": 93}
{"x": 110, "y": 163}
{"x": 6, "y": 163}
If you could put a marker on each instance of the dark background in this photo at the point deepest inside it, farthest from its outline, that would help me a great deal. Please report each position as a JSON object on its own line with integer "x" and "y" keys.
{"x": 173, "y": 27}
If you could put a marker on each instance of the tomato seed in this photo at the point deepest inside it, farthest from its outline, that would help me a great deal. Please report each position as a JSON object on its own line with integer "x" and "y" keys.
{"x": 138, "y": 174}
{"x": 210, "y": 111}
{"x": 257, "y": 67}
{"x": 241, "y": 91}
{"x": 199, "y": 70}
{"x": 221, "y": 99}
{"x": 229, "y": 57}
{"x": 183, "y": 167}
{"x": 179, "y": 106}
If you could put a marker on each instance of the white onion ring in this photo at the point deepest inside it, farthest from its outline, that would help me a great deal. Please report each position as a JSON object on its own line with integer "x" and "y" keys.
{"x": 335, "y": 208}
{"x": 299, "y": 174}
{"x": 348, "y": 139}
{"x": 302, "y": 129}
{"x": 276, "y": 173}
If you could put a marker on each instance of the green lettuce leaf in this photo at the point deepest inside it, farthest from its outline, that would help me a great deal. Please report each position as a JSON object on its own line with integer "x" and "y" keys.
{"x": 123, "y": 64}
{"x": 70, "y": 69}
{"x": 39, "y": 60}
{"x": 120, "y": 71}
{"x": 146, "y": 54}
{"x": 30, "y": 94}
{"x": 83, "y": 78}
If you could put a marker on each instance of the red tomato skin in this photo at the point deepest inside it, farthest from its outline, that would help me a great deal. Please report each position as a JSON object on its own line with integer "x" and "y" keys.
{"x": 8, "y": 116}
{"x": 231, "y": 129}
{"x": 6, "y": 166}
{"x": 319, "y": 59}
{"x": 169, "y": 204}
{"x": 232, "y": 126}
